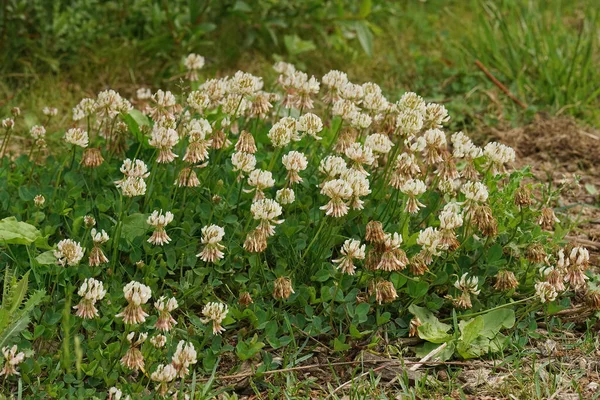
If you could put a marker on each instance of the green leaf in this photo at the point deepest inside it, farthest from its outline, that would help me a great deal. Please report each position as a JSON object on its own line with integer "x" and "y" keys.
{"x": 431, "y": 328}
{"x": 135, "y": 120}
{"x": 339, "y": 344}
{"x": 295, "y": 45}
{"x": 18, "y": 293}
{"x": 365, "y": 8}
{"x": 246, "y": 350}
{"x": 470, "y": 329}
{"x": 497, "y": 320}
{"x": 494, "y": 253}
{"x": 17, "y": 232}
{"x": 134, "y": 226}
{"x": 417, "y": 289}
{"x": 365, "y": 37}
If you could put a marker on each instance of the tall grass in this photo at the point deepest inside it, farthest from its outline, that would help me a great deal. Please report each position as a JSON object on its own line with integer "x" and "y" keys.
{"x": 545, "y": 51}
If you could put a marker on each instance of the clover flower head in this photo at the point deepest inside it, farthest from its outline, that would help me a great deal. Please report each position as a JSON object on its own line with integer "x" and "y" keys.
{"x": 215, "y": 313}
{"x": 68, "y": 252}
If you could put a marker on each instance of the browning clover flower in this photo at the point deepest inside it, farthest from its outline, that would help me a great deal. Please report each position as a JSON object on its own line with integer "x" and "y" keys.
{"x": 133, "y": 358}
{"x": 546, "y": 292}
{"x": 164, "y": 139}
{"x": 136, "y": 294}
{"x": 350, "y": 251}
{"x": 282, "y": 288}
{"x": 159, "y": 220}
{"x": 392, "y": 257}
{"x": 97, "y": 257}
{"x": 165, "y": 321}
{"x": 212, "y": 236}
{"x": 90, "y": 291}
{"x": 215, "y": 313}
{"x": 12, "y": 359}
{"x": 198, "y": 131}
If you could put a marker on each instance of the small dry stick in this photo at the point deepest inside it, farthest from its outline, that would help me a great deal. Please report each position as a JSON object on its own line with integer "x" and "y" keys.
{"x": 500, "y": 85}
{"x": 429, "y": 356}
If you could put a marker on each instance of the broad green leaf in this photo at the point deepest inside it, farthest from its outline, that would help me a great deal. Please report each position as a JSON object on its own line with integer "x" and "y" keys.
{"x": 135, "y": 120}
{"x": 431, "y": 328}
{"x": 246, "y": 350}
{"x": 444, "y": 355}
{"x": 417, "y": 289}
{"x": 134, "y": 226}
{"x": 18, "y": 293}
{"x": 497, "y": 320}
{"x": 340, "y": 345}
{"x": 365, "y": 37}
{"x": 17, "y": 232}
{"x": 365, "y": 8}
{"x": 470, "y": 329}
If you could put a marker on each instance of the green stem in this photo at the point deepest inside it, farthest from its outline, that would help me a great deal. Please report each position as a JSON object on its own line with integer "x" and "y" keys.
{"x": 315, "y": 237}
{"x": 463, "y": 316}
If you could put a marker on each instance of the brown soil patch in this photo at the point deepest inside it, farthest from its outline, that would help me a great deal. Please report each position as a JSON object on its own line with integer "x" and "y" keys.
{"x": 562, "y": 153}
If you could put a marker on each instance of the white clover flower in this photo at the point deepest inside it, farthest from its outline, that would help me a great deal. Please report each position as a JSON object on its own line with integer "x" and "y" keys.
{"x": 163, "y": 375}
{"x": 243, "y": 162}
{"x": 351, "y": 91}
{"x": 164, "y": 139}
{"x": 339, "y": 192}
{"x": 77, "y": 137}
{"x": 215, "y": 89}
{"x": 136, "y": 294}
{"x": 284, "y": 68}
{"x": 335, "y": 79}
{"x": 159, "y": 220}
{"x": 379, "y": 143}
{"x": 436, "y": 116}
{"x": 450, "y": 219}
{"x": 198, "y": 100}
{"x": 132, "y": 187}
{"x": 134, "y": 169}
{"x": 8, "y": 123}
{"x": 50, "y": 111}
{"x": 68, "y": 252}
{"x": 294, "y": 162}
{"x": 498, "y": 154}
{"x": 260, "y": 180}
{"x": 197, "y": 131}
{"x": 468, "y": 285}
{"x": 360, "y": 155}
{"x": 193, "y": 63}
{"x": 91, "y": 291}
{"x": 413, "y": 188}
{"x": 164, "y": 104}
{"x": 85, "y": 108}
{"x": 39, "y": 200}
{"x": 360, "y": 120}
{"x": 143, "y": 93}
{"x": 311, "y": 124}
{"x": 411, "y": 101}
{"x": 215, "y": 313}
{"x": 12, "y": 359}
{"x": 345, "y": 109}
{"x": 351, "y": 250}
{"x": 546, "y": 292}
{"x": 475, "y": 192}
{"x": 285, "y": 196}
{"x": 431, "y": 242}
{"x": 212, "y": 236}
{"x": 360, "y": 187}
{"x": 266, "y": 211}
{"x": 245, "y": 84}
{"x": 283, "y": 132}
{"x": 158, "y": 341}
{"x": 463, "y": 147}
{"x": 114, "y": 394}
{"x": 409, "y": 123}
{"x": 332, "y": 166}
{"x": 165, "y": 321}
{"x": 184, "y": 356}
{"x": 37, "y": 132}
